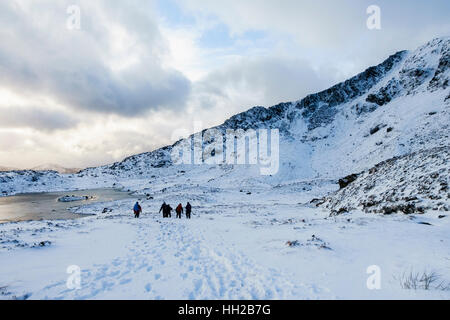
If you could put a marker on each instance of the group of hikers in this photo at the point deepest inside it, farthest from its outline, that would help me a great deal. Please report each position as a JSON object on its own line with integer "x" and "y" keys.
{"x": 166, "y": 210}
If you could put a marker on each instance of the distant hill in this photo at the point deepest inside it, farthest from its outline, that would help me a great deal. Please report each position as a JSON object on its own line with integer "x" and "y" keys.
{"x": 43, "y": 167}
{"x": 7, "y": 168}
{"x": 55, "y": 167}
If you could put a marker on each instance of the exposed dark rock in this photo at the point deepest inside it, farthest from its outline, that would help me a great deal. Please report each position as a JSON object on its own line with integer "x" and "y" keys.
{"x": 317, "y": 202}
{"x": 377, "y": 128}
{"x": 347, "y": 180}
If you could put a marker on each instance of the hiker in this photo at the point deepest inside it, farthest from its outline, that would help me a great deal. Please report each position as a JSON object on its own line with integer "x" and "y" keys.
{"x": 168, "y": 211}
{"x": 137, "y": 209}
{"x": 188, "y": 210}
{"x": 179, "y": 210}
{"x": 163, "y": 209}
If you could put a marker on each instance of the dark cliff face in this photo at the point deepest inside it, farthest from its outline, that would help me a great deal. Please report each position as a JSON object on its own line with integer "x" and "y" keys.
{"x": 319, "y": 108}
{"x": 258, "y": 117}
{"x": 439, "y": 80}
{"x": 417, "y": 71}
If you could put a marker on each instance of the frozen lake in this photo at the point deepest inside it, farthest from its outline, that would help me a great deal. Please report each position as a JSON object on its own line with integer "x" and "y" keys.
{"x": 45, "y": 206}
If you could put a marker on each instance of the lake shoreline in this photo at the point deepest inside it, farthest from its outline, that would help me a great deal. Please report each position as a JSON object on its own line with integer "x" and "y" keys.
{"x": 40, "y": 206}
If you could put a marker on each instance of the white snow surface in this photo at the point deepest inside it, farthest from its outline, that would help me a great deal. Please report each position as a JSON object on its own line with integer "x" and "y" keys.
{"x": 234, "y": 247}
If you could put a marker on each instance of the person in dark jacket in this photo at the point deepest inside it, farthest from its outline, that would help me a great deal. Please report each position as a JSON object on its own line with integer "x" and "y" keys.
{"x": 179, "y": 210}
{"x": 188, "y": 210}
{"x": 168, "y": 211}
{"x": 137, "y": 210}
{"x": 163, "y": 209}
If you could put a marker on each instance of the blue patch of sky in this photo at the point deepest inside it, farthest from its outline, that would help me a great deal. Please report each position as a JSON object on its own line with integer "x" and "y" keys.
{"x": 173, "y": 14}
{"x": 218, "y": 36}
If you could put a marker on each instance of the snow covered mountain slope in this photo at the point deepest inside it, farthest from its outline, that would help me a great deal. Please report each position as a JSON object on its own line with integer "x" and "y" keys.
{"x": 395, "y": 108}
{"x": 414, "y": 183}
{"x": 334, "y": 131}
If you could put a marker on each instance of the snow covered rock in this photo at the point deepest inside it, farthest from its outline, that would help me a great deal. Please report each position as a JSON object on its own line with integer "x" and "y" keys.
{"x": 73, "y": 198}
{"x": 409, "y": 184}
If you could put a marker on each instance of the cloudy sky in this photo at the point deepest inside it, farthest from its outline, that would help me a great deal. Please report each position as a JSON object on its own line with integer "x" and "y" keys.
{"x": 135, "y": 72}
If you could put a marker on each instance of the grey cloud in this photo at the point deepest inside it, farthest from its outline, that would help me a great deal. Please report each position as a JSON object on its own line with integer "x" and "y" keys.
{"x": 36, "y": 118}
{"x": 277, "y": 79}
{"x": 335, "y": 31}
{"x": 39, "y": 54}
{"x": 116, "y": 147}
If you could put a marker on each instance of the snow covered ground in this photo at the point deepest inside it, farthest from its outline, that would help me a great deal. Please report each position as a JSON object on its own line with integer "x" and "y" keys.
{"x": 234, "y": 247}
